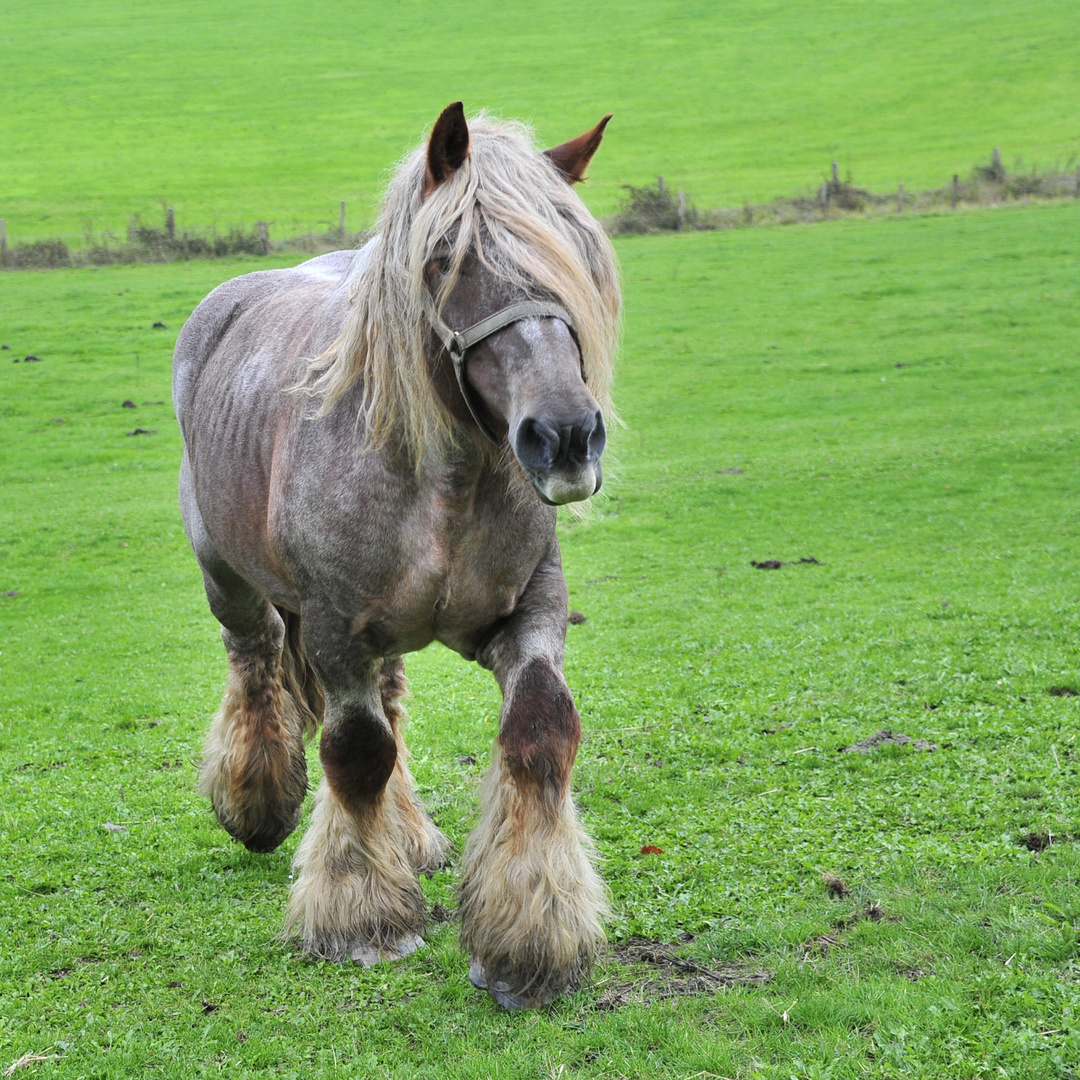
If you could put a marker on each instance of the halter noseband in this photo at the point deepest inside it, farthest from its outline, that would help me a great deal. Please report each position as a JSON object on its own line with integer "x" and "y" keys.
{"x": 458, "y": 343}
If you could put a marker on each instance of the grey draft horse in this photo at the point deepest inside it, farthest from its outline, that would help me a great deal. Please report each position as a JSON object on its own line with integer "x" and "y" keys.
{"x": 375, "y": 443}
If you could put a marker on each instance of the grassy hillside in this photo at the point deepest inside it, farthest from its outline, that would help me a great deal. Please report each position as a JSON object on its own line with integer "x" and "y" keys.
{"x": 277, "y": 111}
{"x": 889, "y": 398}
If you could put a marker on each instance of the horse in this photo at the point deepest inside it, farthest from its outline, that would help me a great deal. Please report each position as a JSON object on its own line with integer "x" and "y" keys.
{"x": 375, "y": 446}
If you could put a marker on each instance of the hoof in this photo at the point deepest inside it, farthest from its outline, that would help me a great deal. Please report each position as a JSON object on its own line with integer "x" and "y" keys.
{"x": 370, "y": 955}
{"x": 267, "y": 836}
{"x": 504, "y": 996}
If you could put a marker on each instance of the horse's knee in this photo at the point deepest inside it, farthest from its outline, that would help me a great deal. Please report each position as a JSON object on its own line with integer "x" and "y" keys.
{"x": 540, "y": 731}
{"x": 358, "y": 752}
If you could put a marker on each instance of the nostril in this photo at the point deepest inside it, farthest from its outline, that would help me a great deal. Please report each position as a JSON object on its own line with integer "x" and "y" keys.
{"x": 536, "y": 444}
{"x": 585, "y": 440}
{"x": 597, "y": 438}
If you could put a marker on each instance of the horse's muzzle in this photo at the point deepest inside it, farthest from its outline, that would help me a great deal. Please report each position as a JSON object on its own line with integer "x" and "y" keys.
{"x": 562, "y": 459}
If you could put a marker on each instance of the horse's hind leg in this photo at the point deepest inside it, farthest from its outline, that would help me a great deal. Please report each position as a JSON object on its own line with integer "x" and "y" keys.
{"x": 253, "y": 768}
{"x": 427, "y": 848}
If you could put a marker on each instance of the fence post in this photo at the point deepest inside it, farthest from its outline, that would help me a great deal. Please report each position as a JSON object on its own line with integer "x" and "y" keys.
{"x": 170, "y": 223}
{"x": 900, "y": 199}
{"x": 341, "y": 221}
{"x": 680, "y": 211}
{"x": 955, "y": 189}
{"x": 660, "y": 184}
{"x": 823, "y": 194}
{"x": 264, "y": 237}
{"x": 997, "y": 161}
{"x": 3, "y": 235}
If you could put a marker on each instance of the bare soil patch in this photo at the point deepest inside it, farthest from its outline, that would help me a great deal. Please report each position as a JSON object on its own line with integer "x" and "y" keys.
{"x": 1040, "y": 841}
{"x": 823, "y": 944}
{"x": 887, "y": 738}
{"x": 652, "y": 971}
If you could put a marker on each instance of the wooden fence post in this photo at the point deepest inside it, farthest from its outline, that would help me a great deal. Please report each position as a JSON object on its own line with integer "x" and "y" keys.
{"x": 955, "y": 189}
{"x": 680, "y": 212}
{"x": 170, "y": 223}
{"x": 900, "y": 199}
{"x": 823, "y": 195}
{"x": 264, "y": 237}
{"x": 997, "y": 161}
{"x": 660, "y": 184}
{"x": 341, "y": 221}
{"x": 835, "y": 177}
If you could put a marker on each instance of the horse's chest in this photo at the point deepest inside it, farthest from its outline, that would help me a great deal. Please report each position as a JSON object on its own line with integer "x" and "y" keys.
{"x": 446, "y": 584}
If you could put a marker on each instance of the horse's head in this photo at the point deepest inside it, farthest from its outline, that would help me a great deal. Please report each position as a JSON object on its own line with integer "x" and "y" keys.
{"x": 508, "y": 360}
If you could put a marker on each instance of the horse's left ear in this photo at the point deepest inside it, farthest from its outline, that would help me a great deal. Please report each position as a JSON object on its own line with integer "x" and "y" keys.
{"x": 447, "y": 148}
{"x": 572, "y": 158}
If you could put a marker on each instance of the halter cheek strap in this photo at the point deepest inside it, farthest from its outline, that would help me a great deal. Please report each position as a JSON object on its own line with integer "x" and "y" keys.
{"x": 459, "y": 342}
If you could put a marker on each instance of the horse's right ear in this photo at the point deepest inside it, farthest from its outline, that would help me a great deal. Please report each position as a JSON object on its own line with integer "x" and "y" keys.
{"x": 447, "y": 148}
{"x": 572, "y": 158}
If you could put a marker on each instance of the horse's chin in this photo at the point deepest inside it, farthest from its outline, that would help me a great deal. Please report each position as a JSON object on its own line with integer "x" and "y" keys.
{"x": 560, "y": 488}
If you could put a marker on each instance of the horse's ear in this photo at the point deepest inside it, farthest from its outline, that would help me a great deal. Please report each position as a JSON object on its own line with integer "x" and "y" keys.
{"x": 572, "y": 158}
{"x": 447, "y": 148}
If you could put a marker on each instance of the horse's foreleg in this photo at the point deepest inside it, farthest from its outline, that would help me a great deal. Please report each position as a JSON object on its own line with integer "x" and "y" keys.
{"x": 531, "y": 902}
{"x": 427, "y": 847}
{"x": 253, "y": 768}
{"x": 355, "y": 895}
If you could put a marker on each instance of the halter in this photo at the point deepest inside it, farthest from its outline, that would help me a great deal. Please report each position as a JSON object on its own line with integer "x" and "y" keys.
{"x": 459, "y": 342}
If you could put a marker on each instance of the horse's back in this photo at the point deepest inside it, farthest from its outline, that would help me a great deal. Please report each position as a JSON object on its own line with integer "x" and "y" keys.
{"x": 276, "y": 295}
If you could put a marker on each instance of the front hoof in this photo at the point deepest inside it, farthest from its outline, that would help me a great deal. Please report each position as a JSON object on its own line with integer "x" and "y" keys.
{"x": 370, "y": 955}
{"x": 504, "y": 996}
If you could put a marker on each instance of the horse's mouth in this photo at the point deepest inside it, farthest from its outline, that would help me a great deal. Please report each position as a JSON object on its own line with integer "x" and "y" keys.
{"x": 558, "y": 487}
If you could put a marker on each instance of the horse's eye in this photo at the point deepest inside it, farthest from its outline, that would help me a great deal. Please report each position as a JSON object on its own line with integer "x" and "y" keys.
{"x": 442, "y": 263}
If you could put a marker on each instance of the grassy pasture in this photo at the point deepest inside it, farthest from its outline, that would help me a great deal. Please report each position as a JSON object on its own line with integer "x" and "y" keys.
{"x": 891, "y": 398}
{"x": 276, "y": 111}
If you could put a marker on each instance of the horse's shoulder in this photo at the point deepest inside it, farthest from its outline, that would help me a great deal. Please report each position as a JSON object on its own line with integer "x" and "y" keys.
{"x": 211, "y": 322}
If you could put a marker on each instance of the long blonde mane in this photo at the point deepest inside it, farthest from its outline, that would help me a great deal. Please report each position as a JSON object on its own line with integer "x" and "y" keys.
{"x": 510, "y": 205}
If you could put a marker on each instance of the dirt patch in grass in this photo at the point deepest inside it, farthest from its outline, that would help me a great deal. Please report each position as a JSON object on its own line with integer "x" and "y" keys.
{"x": 821, "y": 945}
{"x": 649, "y": 971}
{"x": 910, "y": 972}
{"x": 776, "y": 564}
{"x": 836, "y": 885}
{"x": 1040, "y": 841}
{"x": 1064, "y": 691}
{"x": 887, "y": 738}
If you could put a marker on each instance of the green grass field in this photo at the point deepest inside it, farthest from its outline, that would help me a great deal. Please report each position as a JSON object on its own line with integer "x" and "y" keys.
{"x": 892, "y": 398}
{"x": 277, "y": 111}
